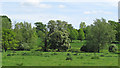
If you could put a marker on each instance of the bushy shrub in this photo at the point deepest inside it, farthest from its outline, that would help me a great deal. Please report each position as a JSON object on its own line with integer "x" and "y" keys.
{"x": 83, "y": 48}
{"x": 11, "y": 54}
{"x": 8, "y": 54}
{"x": 113, "y": 48}
{"x": 95, "y": 57}
{"x": 24, "y": 46}
{"x": 87, "y": 48}
{"x": 68, "y": 58}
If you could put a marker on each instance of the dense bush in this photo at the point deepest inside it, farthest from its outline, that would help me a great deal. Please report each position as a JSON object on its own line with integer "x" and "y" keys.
{"x": 68, "y": 58}
{"x": 88, "y": 48}
{"x": 24, "y": 46}
{"x": 83, "y": 48}
{"x": 11, "y": 54}
{"x": 95, "y": 57}
{"x": 113, "y": 48}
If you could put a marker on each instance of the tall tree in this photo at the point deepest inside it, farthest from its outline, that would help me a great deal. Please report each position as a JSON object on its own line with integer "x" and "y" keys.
{"x": 82, "y": 25}
{"x": 8, "y": 36}
{"x": 8, "y": 39}
{"x": 25, "y": 35}
{"x": 115, "y": 26}
{"x": 99, "y": 34}
{"x": 6, "y": 22}
{"x": 81, "y": 35}
{"x": 58, "y": 35}
{"x": 42, "y": 34}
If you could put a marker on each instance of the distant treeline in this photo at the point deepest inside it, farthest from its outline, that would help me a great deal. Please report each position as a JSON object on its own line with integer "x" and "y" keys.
{"x": 57, "y": 34}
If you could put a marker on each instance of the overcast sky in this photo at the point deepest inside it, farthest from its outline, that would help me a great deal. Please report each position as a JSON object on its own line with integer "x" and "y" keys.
{"x": 72, "y": 11}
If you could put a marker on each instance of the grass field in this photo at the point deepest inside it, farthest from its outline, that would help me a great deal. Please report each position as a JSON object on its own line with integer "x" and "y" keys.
{"x": 29, "y": 58}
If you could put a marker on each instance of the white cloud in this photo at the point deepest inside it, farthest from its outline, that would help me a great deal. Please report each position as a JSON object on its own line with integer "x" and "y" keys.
{"x": 35, "y": 3}
{"x": 44, "y": 6}
{"x": 61, "y": 6}
{"x": 97, "y": 12}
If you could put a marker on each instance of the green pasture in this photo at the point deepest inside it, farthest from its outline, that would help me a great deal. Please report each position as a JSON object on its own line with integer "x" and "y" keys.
{"x": 37, "y": 58}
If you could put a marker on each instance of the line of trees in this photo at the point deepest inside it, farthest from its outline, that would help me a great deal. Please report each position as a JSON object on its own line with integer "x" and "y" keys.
{"x": 57, "y": 35}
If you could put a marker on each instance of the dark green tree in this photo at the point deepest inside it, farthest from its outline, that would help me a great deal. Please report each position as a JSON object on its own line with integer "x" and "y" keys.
{"x": 42, "y": 34}
{"x": 99, "y": 34}
{"x": 115, "y": 26}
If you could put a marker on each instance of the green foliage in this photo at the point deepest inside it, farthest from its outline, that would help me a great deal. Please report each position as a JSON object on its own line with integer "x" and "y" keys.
{"x": 73, "y": 33}
{"x": 113, "y": 48}
{"x": 52, "y": 26}
{"x": 25, "y": 34}
{"x": 59, "y": 39}
{"x": 58, "y": 35}
{"x": 8, "y": 39}
{"x": 115, "y": 26}
{"x": 42, "y": 34}
{"x": 118, "y": 32}
{"x": 99, "y": 34}
{"x": 6, "y": 22}
{"x": 81, "y": 35}
{"x": 82, "y": 25}
{"x": 26, "y": 46}
{"x": 40, "y": 27}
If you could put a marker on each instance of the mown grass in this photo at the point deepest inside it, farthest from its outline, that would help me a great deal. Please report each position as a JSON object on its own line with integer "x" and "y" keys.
{"x": 36, "y": 58}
